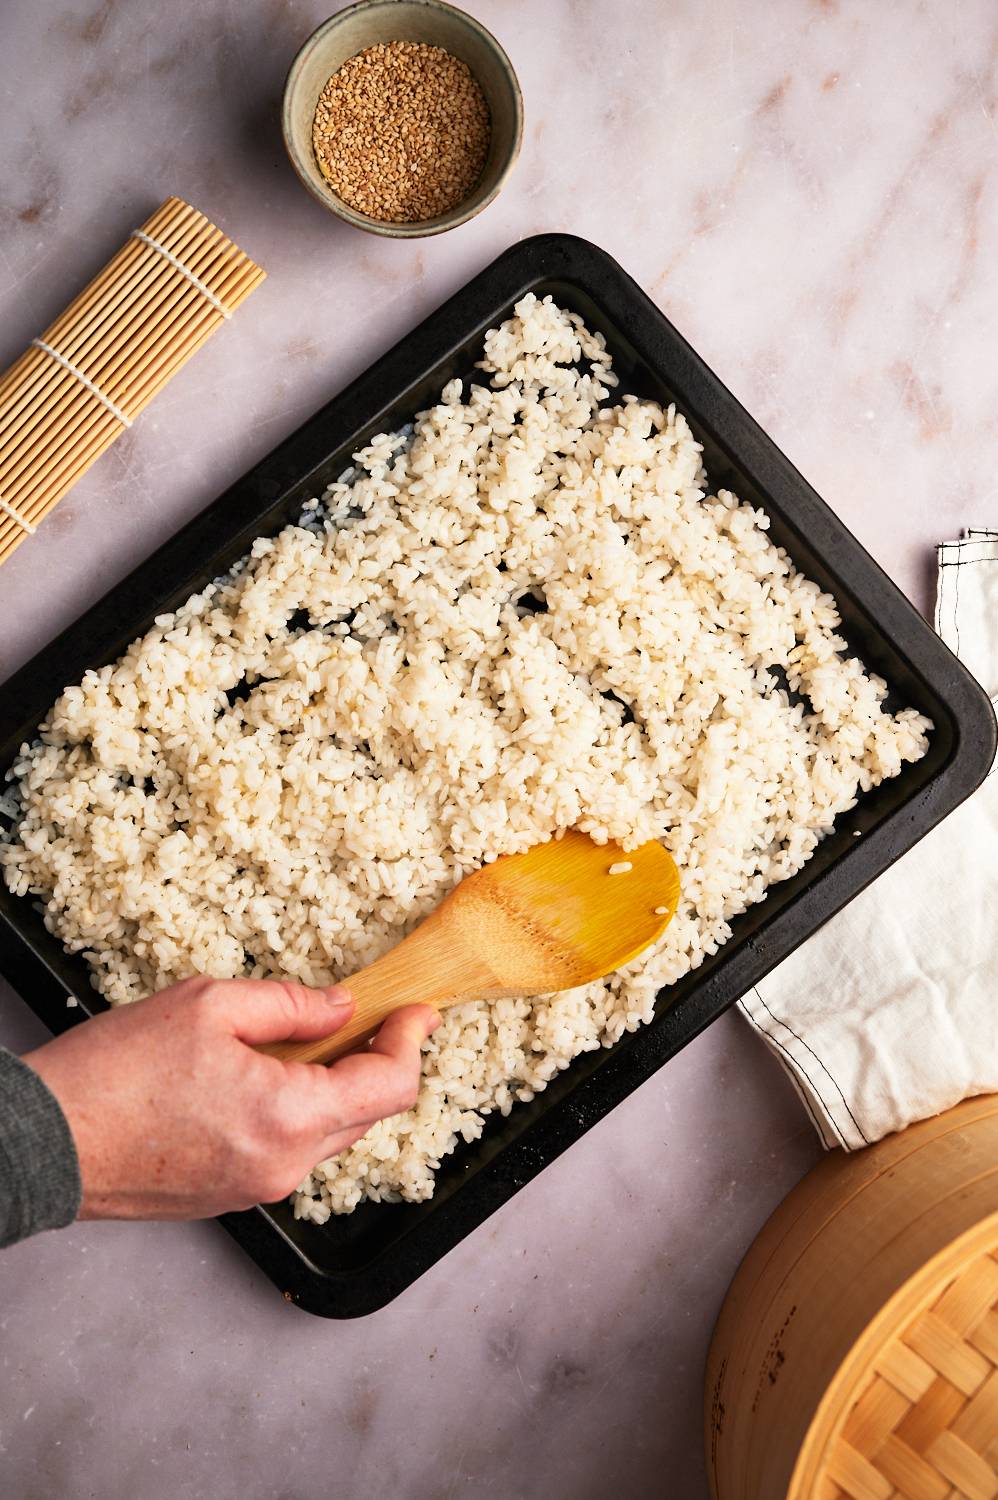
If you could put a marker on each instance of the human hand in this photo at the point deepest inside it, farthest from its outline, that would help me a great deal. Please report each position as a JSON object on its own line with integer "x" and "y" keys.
{"x": 175, "y": 1116}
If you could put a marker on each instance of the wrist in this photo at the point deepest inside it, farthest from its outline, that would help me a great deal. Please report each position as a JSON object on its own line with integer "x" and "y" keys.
{"x": 45, "y": 1062}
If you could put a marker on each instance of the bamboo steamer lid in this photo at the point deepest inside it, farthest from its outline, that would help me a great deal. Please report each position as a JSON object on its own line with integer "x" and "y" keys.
{"x": 856, "y": 1354}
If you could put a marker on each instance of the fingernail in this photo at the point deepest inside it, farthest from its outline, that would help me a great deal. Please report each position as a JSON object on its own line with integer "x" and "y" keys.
{"x": 338, "y": 997}
{"x": 434, "y": 1022}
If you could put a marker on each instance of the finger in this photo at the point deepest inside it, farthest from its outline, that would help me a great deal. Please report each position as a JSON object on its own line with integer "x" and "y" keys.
{"x": 405, "y": 1029}
{"x": 272, "y": 1010}
{"x": 341, "y": 1141}
{"x": 383, "y": 1080}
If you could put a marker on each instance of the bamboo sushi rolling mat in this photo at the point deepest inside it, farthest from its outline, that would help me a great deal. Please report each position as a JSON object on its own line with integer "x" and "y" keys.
{"x": 77, "y": 388}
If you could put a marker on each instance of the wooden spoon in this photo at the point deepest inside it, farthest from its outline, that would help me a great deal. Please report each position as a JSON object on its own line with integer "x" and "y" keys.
{"x": 528, "y": 924}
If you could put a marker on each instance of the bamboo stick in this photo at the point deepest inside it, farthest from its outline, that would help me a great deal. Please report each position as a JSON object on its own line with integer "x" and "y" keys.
{"x": 127, "y": 333}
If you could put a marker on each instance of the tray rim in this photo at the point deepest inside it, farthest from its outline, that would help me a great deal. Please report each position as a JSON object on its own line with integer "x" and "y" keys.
{"x": 26, "y": 696}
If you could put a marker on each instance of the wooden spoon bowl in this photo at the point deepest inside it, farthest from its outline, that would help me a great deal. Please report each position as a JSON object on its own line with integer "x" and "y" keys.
{"x": 562, "y": 914}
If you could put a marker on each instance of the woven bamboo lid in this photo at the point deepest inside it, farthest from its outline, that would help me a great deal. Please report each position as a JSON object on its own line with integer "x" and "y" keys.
{"x": 856, "y": 1355}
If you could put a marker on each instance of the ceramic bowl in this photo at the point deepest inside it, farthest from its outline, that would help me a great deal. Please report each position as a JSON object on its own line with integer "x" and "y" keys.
{"x": 439, "y": 25}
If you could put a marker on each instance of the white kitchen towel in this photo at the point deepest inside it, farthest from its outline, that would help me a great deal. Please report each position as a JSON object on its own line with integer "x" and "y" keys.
{"x": 889, "y": 1014}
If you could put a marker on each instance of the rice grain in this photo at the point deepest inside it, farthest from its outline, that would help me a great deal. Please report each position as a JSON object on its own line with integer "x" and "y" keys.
{"x": 527, "y": 614}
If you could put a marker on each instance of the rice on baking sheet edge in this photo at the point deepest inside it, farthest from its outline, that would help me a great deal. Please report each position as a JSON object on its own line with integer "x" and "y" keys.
{"x": 529, "y": 613}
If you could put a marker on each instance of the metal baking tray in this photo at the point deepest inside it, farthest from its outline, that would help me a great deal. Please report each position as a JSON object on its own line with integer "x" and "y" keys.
{"x": 355, "y": 1264}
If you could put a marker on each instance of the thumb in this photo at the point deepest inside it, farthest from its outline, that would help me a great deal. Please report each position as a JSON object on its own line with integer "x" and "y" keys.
{"x": 272, "y": 1010}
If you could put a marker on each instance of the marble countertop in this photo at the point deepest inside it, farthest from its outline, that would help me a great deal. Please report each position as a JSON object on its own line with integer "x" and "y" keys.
{"x": 812, "y": 196}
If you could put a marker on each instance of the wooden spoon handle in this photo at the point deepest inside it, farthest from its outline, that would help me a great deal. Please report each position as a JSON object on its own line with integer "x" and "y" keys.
{"x": 427, "y": 968}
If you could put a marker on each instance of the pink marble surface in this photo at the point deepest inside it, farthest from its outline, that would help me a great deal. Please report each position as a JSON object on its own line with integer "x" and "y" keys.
{"x": 810, "y": 192}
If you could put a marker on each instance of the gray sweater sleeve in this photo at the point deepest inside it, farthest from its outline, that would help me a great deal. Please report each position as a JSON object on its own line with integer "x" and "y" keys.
{"x": 39, "y": 1172}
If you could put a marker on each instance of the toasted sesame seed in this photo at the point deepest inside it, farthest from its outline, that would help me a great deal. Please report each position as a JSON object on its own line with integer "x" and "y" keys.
{"x": 401, "y": 132}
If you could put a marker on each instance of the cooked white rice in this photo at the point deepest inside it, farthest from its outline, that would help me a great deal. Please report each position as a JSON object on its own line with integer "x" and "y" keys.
{"x": 403, "y": 717}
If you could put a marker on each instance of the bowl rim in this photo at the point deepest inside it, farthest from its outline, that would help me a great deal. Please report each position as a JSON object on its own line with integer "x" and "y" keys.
{"x": 471, "y": 206}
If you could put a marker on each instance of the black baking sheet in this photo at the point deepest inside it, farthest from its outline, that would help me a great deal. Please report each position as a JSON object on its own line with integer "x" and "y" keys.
{"x": 355, "y": 1264}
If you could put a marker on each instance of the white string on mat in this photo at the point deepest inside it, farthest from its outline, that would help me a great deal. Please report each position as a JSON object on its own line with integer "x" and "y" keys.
{"x": 15, "y": 515}
{"x": 206, "y": 291}
{"x": 84, "y": 380}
